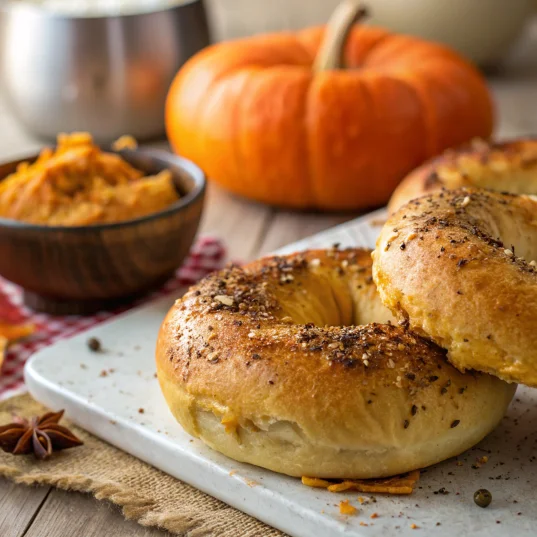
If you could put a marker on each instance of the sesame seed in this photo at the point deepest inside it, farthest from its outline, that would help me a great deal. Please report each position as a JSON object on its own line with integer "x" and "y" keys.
{"x": 391, "y": 364}
{"x": 533, "y": 263}
{"x": 251, "y": 334}
{"x": 224, "y": 299}
{"x": 315, "y": 262}
{"x": 212, "y": 357}
{"x": 508, "y": 252}
{"x": 465, "y": 201}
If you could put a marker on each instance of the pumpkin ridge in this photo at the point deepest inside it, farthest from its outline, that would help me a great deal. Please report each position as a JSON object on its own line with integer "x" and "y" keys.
{"x": 281, "y": 143}
{"x": 235, "y": 158}
{"x": 354, "y": 37}
{"x": 429, "y": 148}
{"x": 191, "y": 68}
{"x": 310, "y": 168}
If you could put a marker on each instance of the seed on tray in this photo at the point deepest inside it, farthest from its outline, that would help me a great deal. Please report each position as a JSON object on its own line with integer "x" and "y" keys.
{"x": 482, "y": 497}
{"x": 94, "y": 344}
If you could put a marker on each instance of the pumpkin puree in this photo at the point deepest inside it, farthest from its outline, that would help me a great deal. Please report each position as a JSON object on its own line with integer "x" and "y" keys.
{"x": 78, "y": 184}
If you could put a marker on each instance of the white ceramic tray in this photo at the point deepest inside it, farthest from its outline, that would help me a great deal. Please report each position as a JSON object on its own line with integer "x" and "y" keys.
{"x": 67, "y": 375}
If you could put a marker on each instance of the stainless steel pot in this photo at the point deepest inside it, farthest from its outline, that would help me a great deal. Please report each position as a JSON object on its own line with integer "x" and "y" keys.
{"x": 105, "y": 75}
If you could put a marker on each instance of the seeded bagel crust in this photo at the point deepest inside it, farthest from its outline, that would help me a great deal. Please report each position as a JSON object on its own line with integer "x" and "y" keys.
{"x": 284, "y": 364}
{"x": 509, "y": 166}
{"x": 459, "y": 266}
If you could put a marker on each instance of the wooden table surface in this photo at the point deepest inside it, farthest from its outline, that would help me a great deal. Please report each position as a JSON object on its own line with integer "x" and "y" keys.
{"x": 248, "y": 230}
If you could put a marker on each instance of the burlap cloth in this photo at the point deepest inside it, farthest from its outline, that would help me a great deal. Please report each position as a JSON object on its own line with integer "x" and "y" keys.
{"x": 145, "y": 494}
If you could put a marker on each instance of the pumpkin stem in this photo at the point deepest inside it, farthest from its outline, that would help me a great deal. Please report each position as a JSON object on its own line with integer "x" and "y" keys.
{"x": 330, "y": 55}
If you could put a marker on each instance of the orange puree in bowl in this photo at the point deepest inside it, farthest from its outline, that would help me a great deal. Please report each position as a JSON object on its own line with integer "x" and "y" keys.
{"x": 77, "y": 184}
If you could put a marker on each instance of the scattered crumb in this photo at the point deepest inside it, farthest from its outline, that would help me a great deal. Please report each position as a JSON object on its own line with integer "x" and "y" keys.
{"x": 364, "y": 524}
{"x": 374, "y": 515}
{"x": 83, "y": 366}
{"x": 141, "y": 411}
{"x": 103, "y": 373}
{"x": 154, "y": 375}
{"x": 403, "y": 484}
{"x": 233, "y": 472}
{"x": 251, "y": 483}
{"x": 345, "y": 508}
{"x": 414, "y": 526}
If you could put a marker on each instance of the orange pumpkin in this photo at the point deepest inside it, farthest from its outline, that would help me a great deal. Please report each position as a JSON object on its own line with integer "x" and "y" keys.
{"x": 265, "y": 124}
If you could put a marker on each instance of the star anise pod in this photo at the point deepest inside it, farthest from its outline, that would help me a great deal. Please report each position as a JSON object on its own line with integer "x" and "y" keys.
{"x": 41, "y": 435}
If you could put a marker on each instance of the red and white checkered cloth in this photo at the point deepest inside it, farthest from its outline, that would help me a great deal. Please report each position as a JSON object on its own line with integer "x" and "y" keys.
{"x": 206, "y": 255}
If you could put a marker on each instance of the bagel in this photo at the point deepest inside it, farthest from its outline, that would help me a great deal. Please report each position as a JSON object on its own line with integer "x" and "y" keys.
{"x": 504, "y": 167}
{"x": 283, "y": 364}
{"x": 459, "y": 266}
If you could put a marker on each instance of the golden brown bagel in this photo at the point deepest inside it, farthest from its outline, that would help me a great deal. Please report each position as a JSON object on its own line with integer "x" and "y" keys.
{"x": 504, "y": 167}
{"x": 262, "y": 364}
{"x": 459, "y": 265}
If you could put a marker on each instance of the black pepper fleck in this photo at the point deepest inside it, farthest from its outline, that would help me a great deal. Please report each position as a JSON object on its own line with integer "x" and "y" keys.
{"x": 94, "y": 344}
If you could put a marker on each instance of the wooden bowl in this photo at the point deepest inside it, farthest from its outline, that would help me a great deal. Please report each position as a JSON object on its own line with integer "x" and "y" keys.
{"x": 79, "y": 270}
